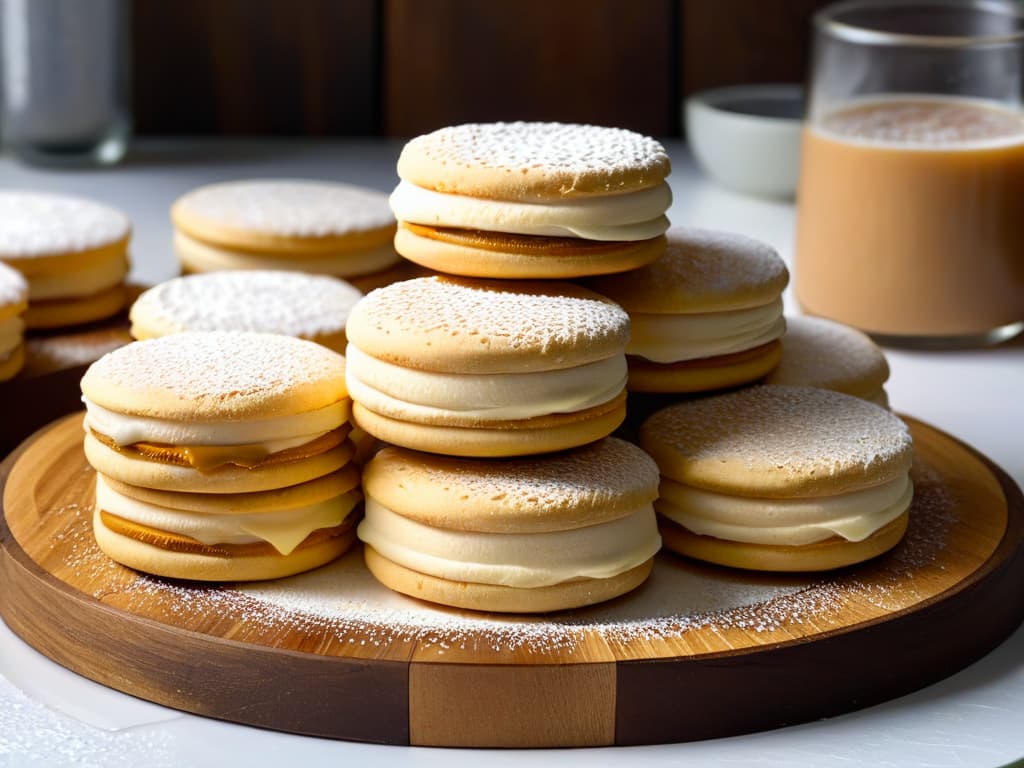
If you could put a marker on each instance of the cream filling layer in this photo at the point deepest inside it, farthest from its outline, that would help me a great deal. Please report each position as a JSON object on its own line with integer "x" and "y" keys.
{"x": 11, "y": 333}
{"x": 406, "y": 392}
{"x": 790, "y": 522}
{"x": 676, "y": 338}
{"x": 201, "y": 257}
{"x": 284, "y": 530}
{"x": 274, "y": 434}
{"x": 78, "y": 282}
{"x": 631, "y": 216}
{"x": 513, "y": 559}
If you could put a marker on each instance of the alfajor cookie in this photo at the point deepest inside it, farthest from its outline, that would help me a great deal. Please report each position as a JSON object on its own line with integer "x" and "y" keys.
{"x": 228, "y": 537}
{"x": 521, "y": 535}
{"x": 486, "y": 368}
{"x": 531, "y": 200}
{"x": 284, "y": 224}
{"x": 707, "y": 315}
{"x": 221, "y": 455}
{"x": 72, "y": 252}
{"x": 781, "y": 478}
{"x": 13, "y": 303}
{"x": 217, "y": 412}
{"x": 823, "y": 353}
{"x": 313, "y": 307}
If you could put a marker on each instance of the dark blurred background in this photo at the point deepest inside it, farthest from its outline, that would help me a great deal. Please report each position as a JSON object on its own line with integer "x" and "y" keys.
{"x": 403, "y": 67}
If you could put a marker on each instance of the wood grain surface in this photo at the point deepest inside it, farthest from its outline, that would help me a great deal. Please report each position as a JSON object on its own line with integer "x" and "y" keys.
{"x": 645, "y": 668}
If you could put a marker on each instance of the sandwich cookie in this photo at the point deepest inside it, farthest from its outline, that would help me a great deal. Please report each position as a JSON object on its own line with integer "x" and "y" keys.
{"x": 707, "y": 315}
{"x": 284, "y": 224}
{"x": 823, "y": 353}
{"x": 72, "y": 252}
{"x": 531, "y": 200}
{"x": 221, "y": 455}
{"x": 313, "y": 307}
{"x": 781, "y": 478}
{"x": 13, "y": 303}
{"x": 228, "y": 536}
{"x": 486, "y": 368}
{"x": 217, "y": 412}
{"x": 521, "y": 535}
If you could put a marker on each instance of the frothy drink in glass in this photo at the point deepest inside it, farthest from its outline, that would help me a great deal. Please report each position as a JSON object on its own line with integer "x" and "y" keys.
{"x": 911, "y": 216}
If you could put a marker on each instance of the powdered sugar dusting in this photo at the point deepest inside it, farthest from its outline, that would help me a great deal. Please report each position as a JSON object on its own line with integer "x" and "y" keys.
{"x": 13, "y": 287}
{"x": 556, "y": 158}
{"x": 822, "y": 353}
{"x": 342, "y": 601}
{"x": 208, "y": 373}
{"x": 289, "y": 303}
{"x": 289, "y": 207}
{"x": 66, "y": 350}
{"x": 490, "y": 317}
{"x": 798, "y": 431}
{"x": 608, "y": 476}
{"x": 36, "y": 224}
{"x": 702, "y": 270}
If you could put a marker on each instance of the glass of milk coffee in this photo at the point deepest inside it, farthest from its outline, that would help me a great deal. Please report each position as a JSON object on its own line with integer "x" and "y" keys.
{"x": 910, "y": 208}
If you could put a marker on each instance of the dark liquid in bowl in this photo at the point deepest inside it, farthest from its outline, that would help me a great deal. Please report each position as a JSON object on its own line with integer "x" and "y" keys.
{"x": 765, "y": 107}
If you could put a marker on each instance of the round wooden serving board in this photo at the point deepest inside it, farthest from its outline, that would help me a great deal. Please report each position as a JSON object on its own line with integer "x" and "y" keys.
{"x": 697, "y": 652}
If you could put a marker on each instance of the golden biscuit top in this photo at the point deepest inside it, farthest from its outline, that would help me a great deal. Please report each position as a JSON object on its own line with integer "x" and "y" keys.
{"x": 530, "y": 161}
{"x": 778, "y": 442}
{"x": 597, "y": 483}
{"x": 216, "y": 375}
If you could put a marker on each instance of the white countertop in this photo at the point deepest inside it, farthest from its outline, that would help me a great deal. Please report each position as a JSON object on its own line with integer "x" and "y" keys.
{"x": 51, "y": 717}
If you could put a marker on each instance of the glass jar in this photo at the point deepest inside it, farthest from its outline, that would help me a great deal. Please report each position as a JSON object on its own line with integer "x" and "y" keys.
{"x": 912, "y": 172}
{"x": 66, "y": 80}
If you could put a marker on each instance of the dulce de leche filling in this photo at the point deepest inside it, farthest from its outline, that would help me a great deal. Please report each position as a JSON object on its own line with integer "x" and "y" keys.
{"x": 790, "y": 522}
{"x": 283, "y": 530}
{"x": 513, "y": 559}
{"x": 209, "y": 445}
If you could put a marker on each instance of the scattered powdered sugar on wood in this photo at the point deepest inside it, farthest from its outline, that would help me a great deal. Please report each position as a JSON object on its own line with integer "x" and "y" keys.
{"x": 39, "y": 224}
{"x": 13, "y": 287}
{"x": 341, "y": 602}
{"x": 823, "y": 353}
{"x": 288, "y": 207}
{"x": 702, "y": 270}
{"x": 213, "y": 374}
{"x": 437, "y": 321}
{"x": 265, "y": 301}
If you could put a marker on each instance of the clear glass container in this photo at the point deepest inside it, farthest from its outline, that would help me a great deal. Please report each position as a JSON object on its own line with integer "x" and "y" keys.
{"x": 912, "y": 171}
{"x": 66, "y": 80}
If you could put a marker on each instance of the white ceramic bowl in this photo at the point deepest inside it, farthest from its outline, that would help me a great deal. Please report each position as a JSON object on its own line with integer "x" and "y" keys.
{"x": 747, "y": 137}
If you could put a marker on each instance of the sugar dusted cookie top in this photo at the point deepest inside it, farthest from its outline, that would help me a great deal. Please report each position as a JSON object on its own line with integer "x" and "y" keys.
{"x": 529, "y": 161}
{"x": 702, "y": 270}
{"x": 778, "y": 442}
{"x": 264, "y": 301}
{"x": 602, "y": 481}
{"x": 216, "y": 376}
{"x": 258, "y": 213}
{"x": 822, "y": 353}
{"x": 38, "y": 224}
{"x": 474, "y": 326}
